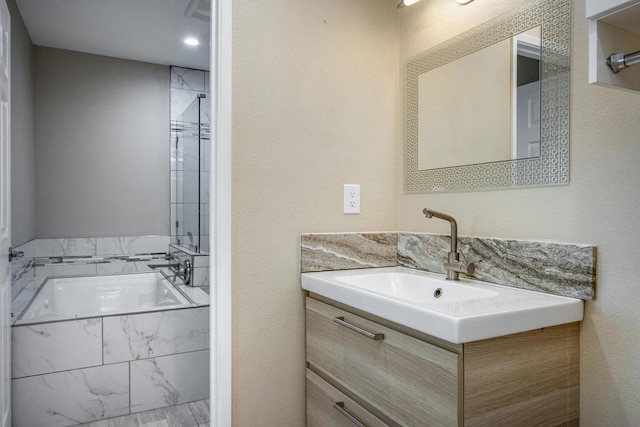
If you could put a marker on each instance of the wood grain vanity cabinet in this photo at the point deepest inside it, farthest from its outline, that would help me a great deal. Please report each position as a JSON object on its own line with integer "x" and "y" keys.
{"x": 366, "y": 371}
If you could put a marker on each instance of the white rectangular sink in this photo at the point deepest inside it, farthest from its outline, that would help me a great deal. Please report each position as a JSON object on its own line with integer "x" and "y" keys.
{"x": 456, "y": 311}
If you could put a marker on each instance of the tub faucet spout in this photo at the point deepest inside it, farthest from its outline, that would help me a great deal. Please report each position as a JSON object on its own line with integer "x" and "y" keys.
{"x": 184, "y": 271}
{"x": 453, "y": 265}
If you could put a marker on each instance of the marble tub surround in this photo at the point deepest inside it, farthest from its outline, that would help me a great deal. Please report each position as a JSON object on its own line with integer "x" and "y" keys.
{"x": 22, "y": 299}
{"x": 81, "y": 257}
{"x": 119, "y": 365}
{"x": 22, "y": 273}
{"x": 70, "y": 397}
{"x": 198, "y": 294}
{"x": 56, "y": 338}
{"x": 141, "y": 336}
{"x": 556, "y": 268}
{"x": 169, "y": 380}
{"x": 341, "y": 251}
{"x": 110, "y": 354}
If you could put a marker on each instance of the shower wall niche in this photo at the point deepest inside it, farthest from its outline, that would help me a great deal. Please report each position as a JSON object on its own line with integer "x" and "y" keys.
{"x": 190, "y": 158}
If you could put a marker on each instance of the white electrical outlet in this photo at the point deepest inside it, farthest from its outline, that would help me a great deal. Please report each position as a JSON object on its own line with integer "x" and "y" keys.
{"x": 352, "y": 198}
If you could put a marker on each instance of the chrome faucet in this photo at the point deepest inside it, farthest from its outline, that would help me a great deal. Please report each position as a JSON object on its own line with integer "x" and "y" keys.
{"x": 183, "y": 271}
{"x": 453, "y": 265}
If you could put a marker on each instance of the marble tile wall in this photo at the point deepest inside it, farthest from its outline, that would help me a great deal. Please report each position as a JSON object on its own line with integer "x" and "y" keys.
{"x": 22, "y": 273}
{"x": 190, "y": 158}
{"x": 78, "y": 371}
{"x": 84, "y": 256}
{"x": 556, "y": 268}
{"x": 186, "y": 84}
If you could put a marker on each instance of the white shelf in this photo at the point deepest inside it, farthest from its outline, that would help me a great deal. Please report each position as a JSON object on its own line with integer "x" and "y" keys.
{"x": 614, "y": 27}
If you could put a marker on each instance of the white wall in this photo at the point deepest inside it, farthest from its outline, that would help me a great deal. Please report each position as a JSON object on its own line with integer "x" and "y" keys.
{"x": 102, "y": 145}
{"x": 23, "y": 203}
{"x": 599, "y": 206}
{"x": 315, "y": 88}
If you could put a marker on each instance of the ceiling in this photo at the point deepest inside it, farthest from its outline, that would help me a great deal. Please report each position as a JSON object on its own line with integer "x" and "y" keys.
{"x": 142, "y": 30}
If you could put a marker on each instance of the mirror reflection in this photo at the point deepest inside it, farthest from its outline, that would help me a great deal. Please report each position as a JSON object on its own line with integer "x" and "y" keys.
{"x": 483, "y": 107}
{"x": 521, "y": 110}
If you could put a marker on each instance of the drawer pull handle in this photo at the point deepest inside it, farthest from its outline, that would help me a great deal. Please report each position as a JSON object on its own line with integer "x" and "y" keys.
{"x": 339, "y": 406}
{"x": 340, "y": 321}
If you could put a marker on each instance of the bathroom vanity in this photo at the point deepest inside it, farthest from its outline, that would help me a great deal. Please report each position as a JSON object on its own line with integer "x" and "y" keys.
{"x": 399, "y": 376}
{"x": 388, "y": 343}
{"x": 400, "y": 347}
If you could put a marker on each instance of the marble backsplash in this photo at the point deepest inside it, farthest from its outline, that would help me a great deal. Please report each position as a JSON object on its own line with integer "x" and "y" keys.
{"x": 556, "y": 268}
{"x": 320, "y": 252}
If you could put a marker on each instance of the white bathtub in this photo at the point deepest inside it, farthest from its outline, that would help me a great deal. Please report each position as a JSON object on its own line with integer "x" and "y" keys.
{"x": 79, "y": 297}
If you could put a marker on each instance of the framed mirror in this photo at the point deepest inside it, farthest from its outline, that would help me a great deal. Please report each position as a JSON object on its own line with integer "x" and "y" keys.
{"x": 489, "y": 108}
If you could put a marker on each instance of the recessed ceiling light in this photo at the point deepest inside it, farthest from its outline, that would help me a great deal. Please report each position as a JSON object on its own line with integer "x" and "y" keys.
{"x": 191, "y": 42}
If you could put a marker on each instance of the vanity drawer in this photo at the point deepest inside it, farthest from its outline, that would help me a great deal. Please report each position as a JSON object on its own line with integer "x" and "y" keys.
{"x": 408, "y": 380}
{"x": 328, "y": 407}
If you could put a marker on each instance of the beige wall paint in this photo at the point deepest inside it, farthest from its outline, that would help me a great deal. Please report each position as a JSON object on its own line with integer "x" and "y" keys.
{"x": 315, "y": 87}
{"x": 600, "y": 206}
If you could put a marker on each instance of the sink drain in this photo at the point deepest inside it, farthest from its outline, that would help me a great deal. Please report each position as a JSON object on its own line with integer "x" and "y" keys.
{"x": 437, "y": 293}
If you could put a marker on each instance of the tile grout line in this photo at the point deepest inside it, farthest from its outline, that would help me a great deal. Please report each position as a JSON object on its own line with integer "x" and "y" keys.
{"x": 192, "y": 413}
{"x": 129, "y": 363}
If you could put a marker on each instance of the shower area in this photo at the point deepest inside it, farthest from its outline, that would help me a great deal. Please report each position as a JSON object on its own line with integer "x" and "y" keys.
{"x": 190, "y": 159}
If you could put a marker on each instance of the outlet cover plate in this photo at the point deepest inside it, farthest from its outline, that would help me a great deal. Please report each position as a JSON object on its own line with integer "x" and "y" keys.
{"x": 352, "y": 198}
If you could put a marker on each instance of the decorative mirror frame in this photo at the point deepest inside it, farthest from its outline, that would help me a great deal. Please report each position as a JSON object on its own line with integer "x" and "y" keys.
{"x": 552, "y": 167}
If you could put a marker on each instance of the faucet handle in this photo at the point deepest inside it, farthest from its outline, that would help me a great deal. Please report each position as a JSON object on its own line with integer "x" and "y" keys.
{"x": 461, "y": 267}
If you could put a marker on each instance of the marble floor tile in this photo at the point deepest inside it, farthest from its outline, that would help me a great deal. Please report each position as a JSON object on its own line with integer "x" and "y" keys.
{"x": 200, "y": 410}
{"x": 152, "y": 416}
{"x": 101, "y": 423}
{"x": 125, "y": 421}
{"x": 159, "y": 423}
{"x": 194, "y": 414}
{"x": 180, "y": 415}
